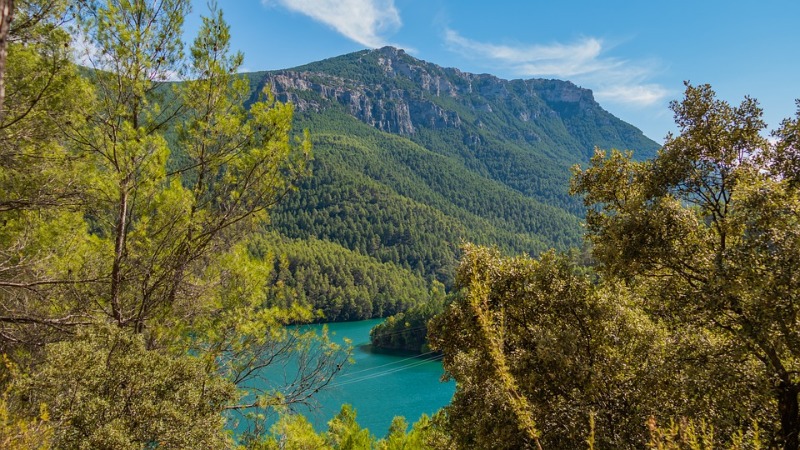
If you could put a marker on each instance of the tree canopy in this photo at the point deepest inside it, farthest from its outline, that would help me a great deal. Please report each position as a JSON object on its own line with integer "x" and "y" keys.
{"x": 135, "y": 311}
{"x": 688, "y": 311}
{"x": 709, "y": 233}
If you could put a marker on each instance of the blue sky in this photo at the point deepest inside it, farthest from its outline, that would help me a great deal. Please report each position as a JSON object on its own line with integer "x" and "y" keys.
{"x": 634, "y": 55}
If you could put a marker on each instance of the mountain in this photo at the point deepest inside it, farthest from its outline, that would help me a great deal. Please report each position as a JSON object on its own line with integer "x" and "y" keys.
{"x": 412, "y": 159}
{"x": 397, "y": 93}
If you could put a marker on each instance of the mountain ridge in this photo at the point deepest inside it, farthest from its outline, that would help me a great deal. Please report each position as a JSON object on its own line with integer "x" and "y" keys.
{"x": 395, "y": 92}
{"x": 411, "y": 160}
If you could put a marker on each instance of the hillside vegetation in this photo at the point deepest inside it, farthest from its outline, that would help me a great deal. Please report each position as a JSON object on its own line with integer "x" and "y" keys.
{"x": 411, "y": 159}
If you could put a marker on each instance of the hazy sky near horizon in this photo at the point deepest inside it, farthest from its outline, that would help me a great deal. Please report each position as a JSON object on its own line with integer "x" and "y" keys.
{"x": 634, "y": 55}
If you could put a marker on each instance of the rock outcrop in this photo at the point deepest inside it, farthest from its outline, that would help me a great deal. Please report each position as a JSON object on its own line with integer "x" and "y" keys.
{"x": 396, "y": 93}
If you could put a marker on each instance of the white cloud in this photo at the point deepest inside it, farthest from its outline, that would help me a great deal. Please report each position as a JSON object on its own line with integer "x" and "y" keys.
{"x": 642, "y": 94}
{"x": 363, "y": 21}
{"x": 612, "y": 79}
{"x": 554, "y": 60}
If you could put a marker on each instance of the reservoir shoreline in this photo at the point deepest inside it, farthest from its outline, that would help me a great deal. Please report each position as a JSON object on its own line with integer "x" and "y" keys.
{"x": 380, "y": 383}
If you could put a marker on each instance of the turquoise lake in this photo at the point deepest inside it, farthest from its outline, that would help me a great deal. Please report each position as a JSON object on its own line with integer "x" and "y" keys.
{"x": 379, "y": 385}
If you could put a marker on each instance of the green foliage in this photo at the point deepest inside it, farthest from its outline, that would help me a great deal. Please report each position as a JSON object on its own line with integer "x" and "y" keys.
{"x": 109, "y": 391}
{"x": 293, "y": 431}
{"x": 408, "y": 330}
{"x": 132, "y": 303}
{"x": 708, "y": 232}
{"x": 43, "y": 92}
{"x": 344, "y": 433}
{"x": 698, "y": 436}
{"x": 166, "y": 225}
{"x": 396, "y": 438}
{"x": 538, "y": 341}
{"x": 338, "y": 283}
{"x": 41, "y": 180}
{"x": 18, "y": 432}
{"x": 426, "y": 433}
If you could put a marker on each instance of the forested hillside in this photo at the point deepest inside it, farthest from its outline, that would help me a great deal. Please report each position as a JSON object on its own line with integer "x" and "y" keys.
{"x": 411, "y": 159}
{"x": 338, "y": 283}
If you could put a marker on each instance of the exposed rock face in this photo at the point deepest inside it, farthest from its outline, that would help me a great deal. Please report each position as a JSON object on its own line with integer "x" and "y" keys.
{"x": 394, "y": 92}
{"x": 386, "y": 107}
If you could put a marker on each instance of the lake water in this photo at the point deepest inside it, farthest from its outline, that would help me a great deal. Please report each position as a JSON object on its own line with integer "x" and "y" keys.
{"x": 379, "y": 385}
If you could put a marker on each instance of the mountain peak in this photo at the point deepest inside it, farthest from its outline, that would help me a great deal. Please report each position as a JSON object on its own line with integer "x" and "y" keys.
{"x": 395, "y": 92}
{"x": 390, "y": 51}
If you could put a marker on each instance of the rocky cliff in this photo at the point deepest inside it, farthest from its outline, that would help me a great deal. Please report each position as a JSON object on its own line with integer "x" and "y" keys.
{"x": 394, "y": 92}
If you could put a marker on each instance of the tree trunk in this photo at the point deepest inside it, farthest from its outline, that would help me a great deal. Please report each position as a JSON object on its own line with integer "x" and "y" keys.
{"x": 119, "y": 254}
{"x": 6, "y": 15}
{"x": 790, "y": 415}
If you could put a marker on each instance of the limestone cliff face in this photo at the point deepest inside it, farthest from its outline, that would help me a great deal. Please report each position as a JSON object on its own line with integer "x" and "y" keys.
{"x": 386, "y": 109}
{"x": 386, "y": 106}
{"x": 396, "y": 93}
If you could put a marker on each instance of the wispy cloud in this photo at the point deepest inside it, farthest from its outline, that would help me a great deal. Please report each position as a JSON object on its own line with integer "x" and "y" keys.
{"x": 642, "y": 94}
{"x": 364, "y": 21}
{"x": 612, "y": 79}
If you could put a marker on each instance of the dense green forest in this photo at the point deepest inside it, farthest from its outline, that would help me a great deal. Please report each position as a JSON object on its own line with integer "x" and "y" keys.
{"x": 337, "y": 283}
{"x": 405, "y": 174}
{"x": 408, "y": 330}
{"x": 418, "y": 212}
{"x": 157, "y": 238}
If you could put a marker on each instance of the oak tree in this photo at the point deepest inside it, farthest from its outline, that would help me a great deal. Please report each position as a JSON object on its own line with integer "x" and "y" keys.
{"x": 709, "y": 232}
{"x": 537, "y": 348}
